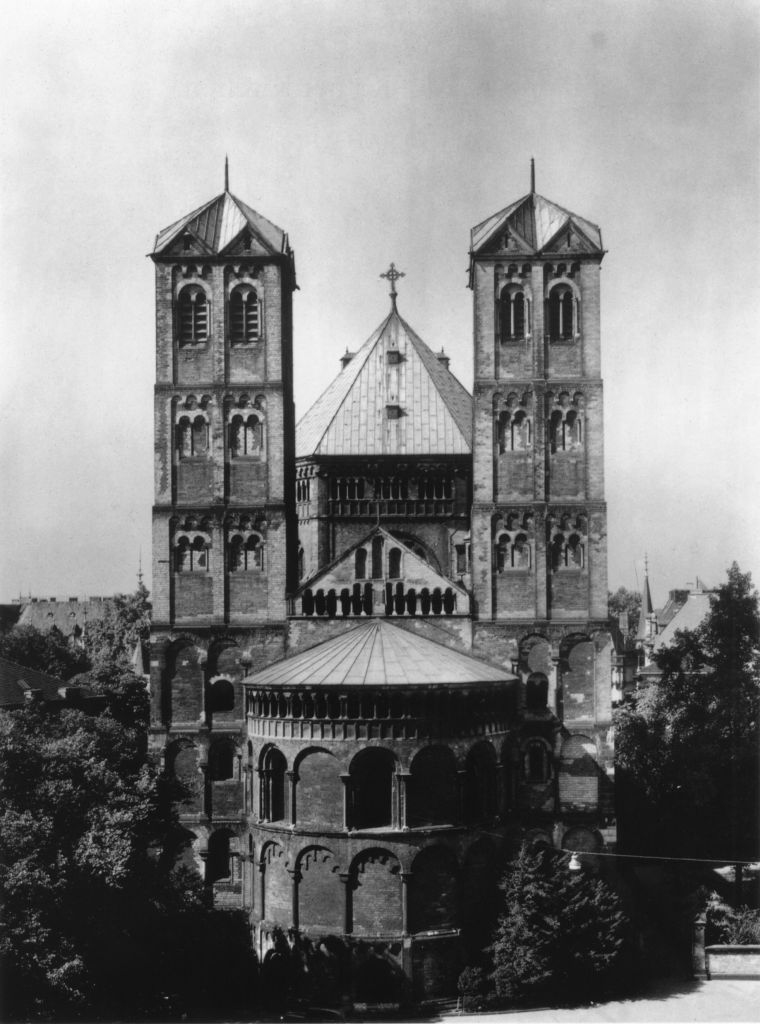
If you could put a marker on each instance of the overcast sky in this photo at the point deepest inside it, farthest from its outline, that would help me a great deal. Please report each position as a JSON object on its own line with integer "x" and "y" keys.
{"x": 373, "y": 132}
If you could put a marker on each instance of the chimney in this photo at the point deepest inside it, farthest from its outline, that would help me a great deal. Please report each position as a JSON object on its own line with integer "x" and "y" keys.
{"x": 443, "y": 358}
{"x": 346, "y": 359}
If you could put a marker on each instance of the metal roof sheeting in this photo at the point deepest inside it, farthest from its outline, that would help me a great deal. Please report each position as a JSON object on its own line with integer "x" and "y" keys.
{"x": 535, "y": 219}
{"x": 351, "y": 418}
{"x": 221, "y": 220}
{"x": 378, "y": 653}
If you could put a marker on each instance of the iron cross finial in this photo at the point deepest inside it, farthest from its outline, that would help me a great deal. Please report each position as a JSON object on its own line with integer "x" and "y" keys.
{"x": 393, "y": 275}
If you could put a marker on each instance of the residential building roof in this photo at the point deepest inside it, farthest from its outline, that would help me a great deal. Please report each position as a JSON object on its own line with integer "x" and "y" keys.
{"x": 412, "y": 405}
{"x": 379, "y": 653}
{"x": 70, "y": 617}
{"x": 19, "y": 684}
{"x": 690, "y": 615}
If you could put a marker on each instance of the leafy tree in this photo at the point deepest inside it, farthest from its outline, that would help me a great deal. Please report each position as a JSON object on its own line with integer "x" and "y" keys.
{"x": 687, "y": 746}
{"x": 99, "y": 917}
{"x": 628, "y": 601}
{"x": 113, "y": 637}
{"x": 562, "y": 936}
{"x": 47, "y": 651}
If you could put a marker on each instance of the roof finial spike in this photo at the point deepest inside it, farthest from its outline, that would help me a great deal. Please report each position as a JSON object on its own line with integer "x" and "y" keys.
{"x": 646, "y": 564}
{"x": 226, "y": 173}
{"x": 532, "y": 175}
{"x": 139, "y": 570}
{"x": 393, "y": 275}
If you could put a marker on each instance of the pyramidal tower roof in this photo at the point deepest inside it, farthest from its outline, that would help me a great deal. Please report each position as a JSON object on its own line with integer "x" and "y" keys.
{"x": 535, "y": 225}
{"x": 394, "y": 397}
{"x": 217, "y": 224}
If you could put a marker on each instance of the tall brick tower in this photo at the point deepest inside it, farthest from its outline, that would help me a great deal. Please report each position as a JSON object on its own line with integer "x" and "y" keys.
{"x": 539, "y": 535}
{"x": 223, "y": 517}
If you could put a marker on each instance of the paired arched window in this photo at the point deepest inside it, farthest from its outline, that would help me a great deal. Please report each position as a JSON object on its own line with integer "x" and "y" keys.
{"x": 514, "y": 431}
{"x": 563, "y": 314}
{"x": 192, "y": 436}
{"x": 244, "y": 315}
{"x": 565, "y": 430}
{"x": 192, "y": 315}
{"x": 569, "y": 553}
{"x": 192, "y": 555}
{"x": 246, "y": 553}
{"x": 246, "y": 436}
{"x": 513, "y": 552}
{"x": 513, "y": 314}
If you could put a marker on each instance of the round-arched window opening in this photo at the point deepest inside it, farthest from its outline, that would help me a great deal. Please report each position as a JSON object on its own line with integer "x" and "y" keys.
{"x": 222, "y": 696}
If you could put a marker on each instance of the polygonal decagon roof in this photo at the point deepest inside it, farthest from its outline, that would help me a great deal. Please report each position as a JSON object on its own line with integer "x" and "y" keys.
{"x": 216, "y": 224}
{"x": 351, "y": 416}
{"x": 378, "y": 653}
{"x": 538, "y": 224}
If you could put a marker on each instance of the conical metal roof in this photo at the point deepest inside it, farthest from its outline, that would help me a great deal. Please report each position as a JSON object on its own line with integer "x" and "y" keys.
{"x": 432, "y": 411}
{"x": 378, "y": 653}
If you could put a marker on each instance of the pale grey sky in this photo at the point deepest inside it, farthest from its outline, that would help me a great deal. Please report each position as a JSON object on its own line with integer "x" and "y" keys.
{"x": 373, "y": 132}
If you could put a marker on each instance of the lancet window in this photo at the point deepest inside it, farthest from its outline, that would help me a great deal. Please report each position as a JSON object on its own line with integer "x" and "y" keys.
{"x": 536, "y": 761}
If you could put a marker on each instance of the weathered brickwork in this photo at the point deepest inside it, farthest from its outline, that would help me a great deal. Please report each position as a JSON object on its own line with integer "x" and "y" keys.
{"x": 380, "y": 814}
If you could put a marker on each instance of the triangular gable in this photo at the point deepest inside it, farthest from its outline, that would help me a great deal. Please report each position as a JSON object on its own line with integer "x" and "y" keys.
{"x": 415, "y": 571}
{"x": 570, "y": 239}
{"x": 178, "y": 247}
{"x": 246, "y": 243}
{"x": 434, "y": 411}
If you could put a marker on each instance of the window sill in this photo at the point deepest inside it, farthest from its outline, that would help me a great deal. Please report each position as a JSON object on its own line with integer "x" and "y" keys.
{"x": 563, "y": 341}
{"x": 244, "y": 344}
{"x": 516, "y": 341}
{"x": 192, "y": 346}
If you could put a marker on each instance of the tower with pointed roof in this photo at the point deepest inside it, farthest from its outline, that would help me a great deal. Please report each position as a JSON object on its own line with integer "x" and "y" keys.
{"x": 223, "y": 513}
{"x": 539, "y": 546}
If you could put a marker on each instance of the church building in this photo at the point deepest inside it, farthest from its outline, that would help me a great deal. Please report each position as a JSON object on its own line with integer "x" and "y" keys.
{"x": 380, "y": 653}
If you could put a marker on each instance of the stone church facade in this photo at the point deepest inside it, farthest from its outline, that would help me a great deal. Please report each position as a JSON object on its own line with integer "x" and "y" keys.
{"x": 380, "y": 653}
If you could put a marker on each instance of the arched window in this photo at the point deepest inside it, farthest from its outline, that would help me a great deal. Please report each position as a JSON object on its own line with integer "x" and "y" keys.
{"x": 273, "y": 785}
{"x": 244, "y": 315}
{"x": 536, "y": 692}
{"x": 220, "y": 761}
{"x": 536, "y": 761}
{"x": 246, "y": 553}
{"x": 192, "y": 437}
{"x": 301, "y": 562}
{"x": 246, "y": 436}
{"x": 394, "y": 564}
{"x": 520, "y": 552}
{"x": 502, "y": 552}
{"x": 360, "y": 564}
{"x": 562, "y": 314}
{"x": 513, "y": 314}
{"x": 191, "y": 556}
{"x": 193, "y": 315}
{"x": 377, "y": 558}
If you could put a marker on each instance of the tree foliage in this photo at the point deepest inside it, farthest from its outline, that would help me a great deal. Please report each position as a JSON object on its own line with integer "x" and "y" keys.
{"x": 46, "y": 651}
{"x": 562, "y": 937}
{"x": 99, "y": 917}
{"x": 628, "y": 601}
{"x": 687, "y": 746}
{"x": 112, "y": 638}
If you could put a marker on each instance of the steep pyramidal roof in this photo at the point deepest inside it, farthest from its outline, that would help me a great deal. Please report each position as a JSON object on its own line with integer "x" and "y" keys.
{"x": 536, "y": 225}
{"x": 395, "y": 397}
{"x": 377, "y": 653}
{"x": 645, "y": 612}
{"x": 219, "y": 222}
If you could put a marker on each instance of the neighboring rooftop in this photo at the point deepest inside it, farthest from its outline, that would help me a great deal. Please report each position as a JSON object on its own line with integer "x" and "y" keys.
{"x": 370, "y": 410}
{"x": 689, "y": 615}
{"x": 69, "y": 616}
{"x": 19, "y": 684}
